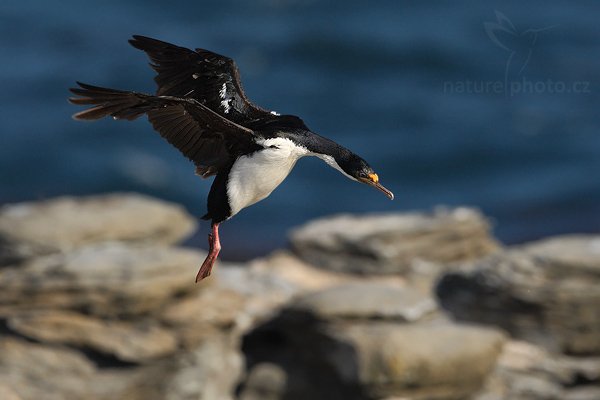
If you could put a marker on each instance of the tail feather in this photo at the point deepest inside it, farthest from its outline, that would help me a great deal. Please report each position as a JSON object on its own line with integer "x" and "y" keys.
{"x": 110, "y": 102}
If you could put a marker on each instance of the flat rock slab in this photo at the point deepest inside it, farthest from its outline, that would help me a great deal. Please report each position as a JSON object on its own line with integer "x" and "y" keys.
{"x": 389, "y": 243}
{"x": 66, "y": 223}
{"x": 419, "y": 361}
{"x": 112, "y": 279}
{"x": 132, "y": 342}
{"x": 568, "y": 255}
{"x": 367, "y": 301}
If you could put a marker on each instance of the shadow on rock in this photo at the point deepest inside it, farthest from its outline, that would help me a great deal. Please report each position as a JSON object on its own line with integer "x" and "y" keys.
{"x": 291, "y": 357}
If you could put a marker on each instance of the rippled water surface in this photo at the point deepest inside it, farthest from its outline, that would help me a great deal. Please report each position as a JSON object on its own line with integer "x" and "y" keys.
{"x": 489, "y": 104}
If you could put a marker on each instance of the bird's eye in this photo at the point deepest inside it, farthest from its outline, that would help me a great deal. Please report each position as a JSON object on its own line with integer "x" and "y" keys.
{"x": 274, "y": 147}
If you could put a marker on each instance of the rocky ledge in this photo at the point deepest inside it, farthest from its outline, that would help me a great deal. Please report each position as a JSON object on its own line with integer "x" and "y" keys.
{"x": 97, "y": 301}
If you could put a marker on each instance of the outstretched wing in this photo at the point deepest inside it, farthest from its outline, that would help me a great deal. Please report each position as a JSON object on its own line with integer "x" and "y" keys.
{"x": 208, "y": 77}
{"x": 207, "y": 139}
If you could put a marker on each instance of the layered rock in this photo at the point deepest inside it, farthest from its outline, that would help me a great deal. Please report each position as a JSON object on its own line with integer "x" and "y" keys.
{"x": 61, "y": 224}
{"x": 391, "y": 243}
{"x": 106, "y": 279}
{"x": 527, "y": 371}
{"x": 93, "y": 301}
{"x": 130, "y": 342}
{"x": 546, "y": 292}
{"x": 367, "y": 340}
{"x": 367, "y": 300}
{"x": 97, "y": 302}
{"x": 34, "y": 371}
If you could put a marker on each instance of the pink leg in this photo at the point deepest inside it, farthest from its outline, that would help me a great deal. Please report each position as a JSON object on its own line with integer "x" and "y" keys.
{"x": 214, "y": 249}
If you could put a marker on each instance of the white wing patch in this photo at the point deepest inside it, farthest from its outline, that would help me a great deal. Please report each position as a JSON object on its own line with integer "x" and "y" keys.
{"x": 225, "y": 105}
{"x": 275, "y": 113}
{"x": 225, "y": 101}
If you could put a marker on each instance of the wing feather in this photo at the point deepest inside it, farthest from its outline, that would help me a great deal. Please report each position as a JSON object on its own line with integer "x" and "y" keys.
{"x": 203, "y": 136}
{"x": 208, "y": 77}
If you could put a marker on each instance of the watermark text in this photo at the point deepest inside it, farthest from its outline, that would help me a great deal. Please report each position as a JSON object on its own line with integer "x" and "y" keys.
{"x": 517, "y": 87}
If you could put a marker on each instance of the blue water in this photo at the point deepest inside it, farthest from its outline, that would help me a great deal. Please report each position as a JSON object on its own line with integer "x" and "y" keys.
{"x": 410, "y": 86}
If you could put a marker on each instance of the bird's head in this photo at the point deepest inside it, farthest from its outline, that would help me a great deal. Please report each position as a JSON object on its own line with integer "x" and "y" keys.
{"x": 358, "y": 169}
{"x": 340, "y": 158}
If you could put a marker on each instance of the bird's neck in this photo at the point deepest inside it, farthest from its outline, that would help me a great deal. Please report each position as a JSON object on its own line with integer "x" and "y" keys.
{"x": 326, "y": 149}
{"x": 316, "y": 144}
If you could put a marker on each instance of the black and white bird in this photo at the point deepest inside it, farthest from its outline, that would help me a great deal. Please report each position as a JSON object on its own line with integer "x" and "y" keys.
{"x": 201, "y": 109}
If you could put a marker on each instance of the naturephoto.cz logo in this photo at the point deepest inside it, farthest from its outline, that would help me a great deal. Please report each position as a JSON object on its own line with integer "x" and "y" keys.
{"x": 519, "y": 46}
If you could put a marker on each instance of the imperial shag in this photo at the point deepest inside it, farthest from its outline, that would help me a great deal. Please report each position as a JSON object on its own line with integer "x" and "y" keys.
{"x": 201, "y": 109}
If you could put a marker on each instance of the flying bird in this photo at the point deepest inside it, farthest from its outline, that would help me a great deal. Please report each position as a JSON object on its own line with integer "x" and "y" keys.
{"x": 201, "y": 109}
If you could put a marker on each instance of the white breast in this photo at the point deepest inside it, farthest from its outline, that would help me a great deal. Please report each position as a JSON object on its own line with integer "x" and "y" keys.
{"x": 254, "y": 177}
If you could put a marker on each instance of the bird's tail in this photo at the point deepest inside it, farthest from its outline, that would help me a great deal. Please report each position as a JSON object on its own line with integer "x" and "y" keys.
{"x": 116, "y": 103}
